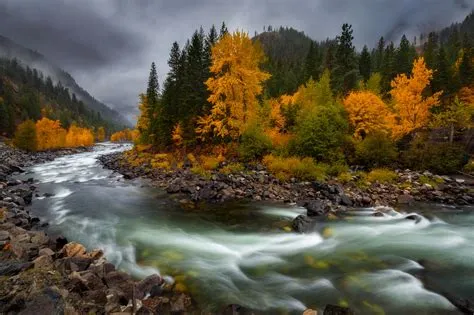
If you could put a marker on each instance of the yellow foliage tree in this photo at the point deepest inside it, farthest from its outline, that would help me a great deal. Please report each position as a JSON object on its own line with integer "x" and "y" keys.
{"x": 101, "y": 134}
{"x": 235, "y": 84}
{"x": 125, "y": 135}
{"x": 49, "y": 134}
{"x": 177, "y": 135}
{"x": 143, "y": 121}
{"x": 410, "y": 106}
{"x": 466, "y": 95}
{"x": 79, "y": 137}
{"x": 367, "y": 113}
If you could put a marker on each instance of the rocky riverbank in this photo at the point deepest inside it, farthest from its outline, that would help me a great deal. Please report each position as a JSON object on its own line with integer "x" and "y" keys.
{"x": 40, "y": 274}
{"x": 256, "y": 183}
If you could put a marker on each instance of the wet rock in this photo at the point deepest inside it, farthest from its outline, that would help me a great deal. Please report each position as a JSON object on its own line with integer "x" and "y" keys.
{"x": 337, "y": 310}
{"x": 26, "y": 251}
{"x": 413, "y": 217}
{"x": 303, "y": 224}
{"x": 39, "y": 238}
{"x": 180, "y": 304}
{"x": 235, "y": 309}
{"x": 464, "y": 305}
{"x": 310, "y": 312}
{"x": 13, "y": 268}
{"x": 121, "y": 281}
{"x": 317, "y": 208}
{"x": 345, "y": 200}
{"x": 145, "y": 286}
{"x": 61, "y": 241}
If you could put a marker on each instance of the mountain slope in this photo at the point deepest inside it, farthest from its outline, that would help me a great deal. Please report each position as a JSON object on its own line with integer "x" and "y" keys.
{"x": 33, "y": 59}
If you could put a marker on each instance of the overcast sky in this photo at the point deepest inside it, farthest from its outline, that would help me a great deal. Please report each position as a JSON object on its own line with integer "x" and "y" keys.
{"x": 108, "y": 45}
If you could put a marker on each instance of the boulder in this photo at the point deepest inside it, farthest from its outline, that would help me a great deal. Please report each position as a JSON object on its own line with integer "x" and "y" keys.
{"x": 317, "y": 208}
{"x": 43, "y": 262}
{"x": 46, "y": 252}
{"x": 303, "y": 224}
{"x": 180, "y": 304}
{"x": 146, "y": 285}
{"x": 49, "y": 301}
{"x": 405, "y": 199}
{"x": 74, "y": 249}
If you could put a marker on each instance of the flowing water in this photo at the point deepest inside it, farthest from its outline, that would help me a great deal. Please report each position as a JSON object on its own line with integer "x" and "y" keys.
{"x": 240, "y": 252}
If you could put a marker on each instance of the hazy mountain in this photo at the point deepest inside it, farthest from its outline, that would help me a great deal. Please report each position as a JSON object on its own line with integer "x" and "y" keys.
{"x": 10, "y": 49}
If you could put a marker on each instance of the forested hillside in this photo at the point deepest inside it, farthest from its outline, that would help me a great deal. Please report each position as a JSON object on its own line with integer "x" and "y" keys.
{"x": 283, "y": 96}
{"x": 34, "y": 60}
{"x": 26, "y": 94}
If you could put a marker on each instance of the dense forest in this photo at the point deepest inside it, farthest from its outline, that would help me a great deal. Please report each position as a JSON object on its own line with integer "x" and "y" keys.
{"x": 282, "y": 95}
{"x": 26, "y": 94}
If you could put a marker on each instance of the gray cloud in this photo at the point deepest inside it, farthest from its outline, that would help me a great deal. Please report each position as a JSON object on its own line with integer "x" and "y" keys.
{"x": 108, "y": 45}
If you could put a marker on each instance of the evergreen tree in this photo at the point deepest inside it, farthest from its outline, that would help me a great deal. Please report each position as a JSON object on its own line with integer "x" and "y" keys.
{"x": 404, "y": 57}
{"x": 153, "y": 108}
{"x": 223, "y": 30}
{"x": 379, "y": 54}
{"x": 389, "y": 67}
{"x": 466, "y": 69}
{"x": 430, "y": 50}
{"x": 364, "y": 64}
{"x": 345, "y": 71}
{"x": 442, "y": 77}
{"x": 311, "y": 66}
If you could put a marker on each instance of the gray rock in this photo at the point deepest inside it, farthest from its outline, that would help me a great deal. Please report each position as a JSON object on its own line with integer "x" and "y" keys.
{"x": 13, "y": 268}
{"x": 145, "y": 286}
{"x": 43, "y": 262}
{"x": 337, "y": 310}
{"x": 317, "y": 208}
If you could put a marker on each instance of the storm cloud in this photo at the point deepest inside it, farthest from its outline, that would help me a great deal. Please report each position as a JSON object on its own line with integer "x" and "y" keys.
{"x": 108, "y": 45}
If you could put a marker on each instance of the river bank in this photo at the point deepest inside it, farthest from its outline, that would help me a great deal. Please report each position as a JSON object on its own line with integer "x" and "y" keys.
{"x": 256, "y": 183}
{"x": 42, "y": 274}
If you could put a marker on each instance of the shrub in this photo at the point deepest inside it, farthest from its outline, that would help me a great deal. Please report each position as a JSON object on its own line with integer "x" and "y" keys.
{"x": 232, "y": 168}
{"x": 199, "y": 170}
{"x": 25, "y": 136}
{"x": 211, "y": 162}
{"x": 254, "y": 144}
{"x": 441, "y": 158}
{"x": 469, "y": 167}
{"x": 434, "y": 182}
{"x": 286, "y": 168}
{"x": 337, "y": 168}
{"x": 382, "y": 175}
{"x": 321, "y": 134}
{"x": 344, "y": 177}
{"x": 376, "y": 150}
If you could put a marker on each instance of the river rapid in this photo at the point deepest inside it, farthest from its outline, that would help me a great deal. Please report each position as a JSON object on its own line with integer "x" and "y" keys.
{"x": 240, "y": 253}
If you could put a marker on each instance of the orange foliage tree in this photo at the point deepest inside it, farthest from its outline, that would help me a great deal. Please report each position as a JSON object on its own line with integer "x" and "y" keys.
{"x": 235, "y": 84}
{"x": 125, "y": 135}
{"x": 79, "y": 137}
{"x": 49, "y": 134}
{"x": 101, "y": 134}
{"x": 367, "y": 113}
{"x": 409, "y": 103}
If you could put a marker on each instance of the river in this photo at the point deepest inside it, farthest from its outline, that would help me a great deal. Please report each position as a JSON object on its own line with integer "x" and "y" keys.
{"x": 240, "y": 252}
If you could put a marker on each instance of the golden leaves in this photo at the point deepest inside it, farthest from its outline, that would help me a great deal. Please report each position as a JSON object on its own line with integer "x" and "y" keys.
{"x": 235, "y": 84}
{"x": 410, "y": 106}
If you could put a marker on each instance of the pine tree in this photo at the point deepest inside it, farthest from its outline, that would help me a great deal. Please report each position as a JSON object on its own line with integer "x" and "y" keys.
{"x": 442, "y": 76}
{"x": 153, "y": 108}
{"x": 404, "y": 56}
{"x": 379, "y": 54}
{"x": 365, "y": 64}
{"x": 223, "y": 31}
{"x": 345, "y": 71}
{"x": 430, "y": 50}
{"x": 466, "y": 68}
{"x": 389, "y": 67}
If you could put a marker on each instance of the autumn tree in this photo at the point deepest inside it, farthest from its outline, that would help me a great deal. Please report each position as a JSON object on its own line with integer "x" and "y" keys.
{"x": 411, "y": 106}
{"x": 25, "y": 136}
{"x": 79, "y": 137}
{"x": 101, "y": 134}
{"x": 235, "y": 84}
{"x": 50, "y": 135}
{"x": 367, "y": 113}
